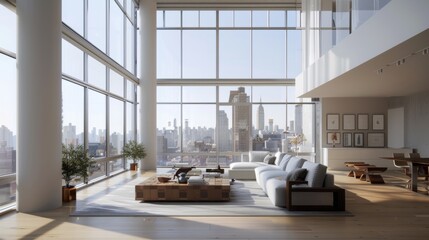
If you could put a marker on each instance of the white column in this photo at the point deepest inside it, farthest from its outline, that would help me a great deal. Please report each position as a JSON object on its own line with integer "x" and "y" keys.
{"x": 39, "y": 105}
{"x": 148, "y": 82}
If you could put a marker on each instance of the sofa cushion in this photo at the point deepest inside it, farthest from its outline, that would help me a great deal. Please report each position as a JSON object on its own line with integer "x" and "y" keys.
{"x": 298, "y": 174}
{"x": 265, "y": 176}
{"x": 279, "y": 157}
{"x": 294, "y": 163}
{"x": 257, "y": 156}
{"x": 284, "y": 162}
{"x": 316, "y": 174}
{"x": 269, "y": 159}
{"x": 276, "y": 192}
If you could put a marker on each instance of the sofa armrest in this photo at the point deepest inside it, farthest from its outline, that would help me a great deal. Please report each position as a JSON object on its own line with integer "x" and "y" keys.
{"x": 338, "y": 197}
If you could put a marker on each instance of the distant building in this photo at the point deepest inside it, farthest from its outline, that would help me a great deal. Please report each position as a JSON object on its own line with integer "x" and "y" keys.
{"x": 224, "y": 141}
{"x": 261, "y": 117}
{"x": 270, "y": 125}
{"x": 69, "y": 134}
{"x": 241, "y": 119}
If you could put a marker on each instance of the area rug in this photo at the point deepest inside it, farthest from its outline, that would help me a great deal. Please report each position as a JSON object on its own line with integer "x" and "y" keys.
{"x": 247, "y": 199}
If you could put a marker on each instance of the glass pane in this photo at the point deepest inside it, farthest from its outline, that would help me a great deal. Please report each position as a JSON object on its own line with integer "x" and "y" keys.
{"x": 116, "y": 33}
{"x": 301, "y": 121}
{"x": 172, "y": 18}
{"x": 234, "y": 54}
{"x": 294, "y": 51}
{"x": 226, "y": 18}
{"x": 168, "y": 60}
{"x": 130, "y": 47}
{"x": 72, "y": 60}
{"x": 199, "y": 94}
{"x": 291, "y": 94}
{"x": 199, "y": 129}
{"x": 226, "y": 93}
{"x": 168, "y": 94}
{"x": 130, "y": 122}
{"x": 241, "y": 120}
{"x": 116, "y": 165}
{"x": 207, "y": 18}
{"x": 116, "y": 83}
{"x": 98, "y": 170}
{"x": 168, "y": 132}
{"x": 269, "y": 122}
{"x": 277, "y": 18}
{"x": 116, "y": 126}
{"x": 72, "y": 14}
{"x": 97, "y": 23}
{"x": 269, "y": 94}
{"x": 190, "y": 18}
{"x": 7, "y": 193}
{"x": 73, "y": 110}
{"x": 293, "y": 19}
{"x": 8, "y": 112}
{"x": 259, "y": 18}
{"x": 96, "y": 124}
{"x": 159, "y": 19}
{"x": 8, "y": 29}
{"x": 130, "y": 90}
{"x": 96, "y": 73}
{"x": 242, "y": 19}
{"x": 199, "y": 54}
{"x": 269, "y": 54}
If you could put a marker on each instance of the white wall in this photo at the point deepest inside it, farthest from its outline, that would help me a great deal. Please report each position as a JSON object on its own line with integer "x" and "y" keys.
{"x": 395, "y": 128}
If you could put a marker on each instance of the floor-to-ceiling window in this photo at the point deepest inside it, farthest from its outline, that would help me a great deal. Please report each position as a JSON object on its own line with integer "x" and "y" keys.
{"x": 99, "y": 79}
{"x": 226, "y": 85}
{"x": 8, "y": 106}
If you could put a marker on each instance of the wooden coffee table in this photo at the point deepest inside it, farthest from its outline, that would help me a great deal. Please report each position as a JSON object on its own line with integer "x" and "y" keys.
{"x": 215, "y": 189}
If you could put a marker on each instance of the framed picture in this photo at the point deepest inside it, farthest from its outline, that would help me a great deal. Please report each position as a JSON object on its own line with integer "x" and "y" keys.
{"x": 347, "y": 139}
{"x": 358, "y": 139}
{"x": 362, "y": 121}
{"x": 375, "y": 139}
{"x": 333, "y": 138}
{"x": 378, "y": 122}
{"x": 333, "y": 122}
{"x": 349, "y": 122}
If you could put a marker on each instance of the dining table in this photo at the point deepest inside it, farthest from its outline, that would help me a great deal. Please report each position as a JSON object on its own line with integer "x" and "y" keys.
{"x": 415, "y": 163}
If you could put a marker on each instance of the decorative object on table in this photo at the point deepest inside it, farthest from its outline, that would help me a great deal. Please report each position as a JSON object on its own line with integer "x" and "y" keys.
{"x": 135, "y": 151}
{"x": 296, "y": 141}
{"x": 333, "y": 122}
{"x": 216, "y": 170}
{"x": 376, "y": 140}
{"x": 377, "y": 122}
{"x": 75, "y": 163}
{"x": 196, "y": 180}
{"x": 333, "y": 138}
{"x": 362, "y": 121}
{"x": 182, "y": 170}
{"x": 182, "y": 178}
{"x": 163, "y": 179}
{"x": 347, "y": 139}
{"x": 349, "y": 122}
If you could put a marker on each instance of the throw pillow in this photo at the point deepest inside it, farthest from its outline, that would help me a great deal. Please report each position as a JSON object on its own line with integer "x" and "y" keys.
{"x": 272, "y": 160}
{"x": 298, "y": 174}
{"x": 266, "y": 158}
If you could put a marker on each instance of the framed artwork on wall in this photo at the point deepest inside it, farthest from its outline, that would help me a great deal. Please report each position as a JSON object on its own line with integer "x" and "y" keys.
{"x": 347, "y": 139}
{"x": 358, "y": 139}
{"x": 362, "y": 121}
{"x": 377, "y": 122}
{"x": 333, "y": 138}
{"x": 376, "y": 140}
{"x": 349, "y": 122}
{"x": 333, "y": 122}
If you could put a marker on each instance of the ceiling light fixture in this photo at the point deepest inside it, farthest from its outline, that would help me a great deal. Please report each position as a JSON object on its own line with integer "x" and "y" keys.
{"x": 425, "y": 51}
{"x": 400, "y": 62}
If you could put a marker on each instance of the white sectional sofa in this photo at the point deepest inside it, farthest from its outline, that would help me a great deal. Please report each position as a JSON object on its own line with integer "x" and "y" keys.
{"x": 316, "y": 191}
{"x": 245, "y": 169}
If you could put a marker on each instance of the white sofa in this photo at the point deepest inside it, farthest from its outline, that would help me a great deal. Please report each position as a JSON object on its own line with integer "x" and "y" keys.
{"x": 245, "y": 169}
{"x": 316, "y": 192}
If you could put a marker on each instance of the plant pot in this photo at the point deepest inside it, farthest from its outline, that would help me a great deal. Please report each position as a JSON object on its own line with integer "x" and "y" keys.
{"x": 134, "y": 166}
{"x": 69, "y": 194}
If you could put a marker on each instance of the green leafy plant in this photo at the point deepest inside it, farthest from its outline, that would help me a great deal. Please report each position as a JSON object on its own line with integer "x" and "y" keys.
{"x": 134, "y": 150}
{"x": 75, "y": 163}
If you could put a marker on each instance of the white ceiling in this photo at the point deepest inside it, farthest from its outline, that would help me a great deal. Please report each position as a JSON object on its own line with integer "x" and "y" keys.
{"x": 363, "y": 81}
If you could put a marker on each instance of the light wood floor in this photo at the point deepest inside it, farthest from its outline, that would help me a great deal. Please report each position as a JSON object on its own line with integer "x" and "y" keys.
{"x": 380, "y": 212}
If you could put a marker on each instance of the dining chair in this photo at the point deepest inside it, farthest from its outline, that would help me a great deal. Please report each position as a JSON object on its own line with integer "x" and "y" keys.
{"x": 423, "y": 170}
{"x": 402, "y": 165}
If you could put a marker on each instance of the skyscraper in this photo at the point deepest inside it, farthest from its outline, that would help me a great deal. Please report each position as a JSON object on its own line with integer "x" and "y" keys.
{"x": 270, "y": 125}
{"x": 224, "y": 143}
{"x": 241, "y": 119}
{"x": 261, "y": 117}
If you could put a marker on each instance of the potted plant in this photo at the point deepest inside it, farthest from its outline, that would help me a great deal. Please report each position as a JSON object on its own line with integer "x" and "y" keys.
{"x": 135, "y": 151}
{"x": 75, "y": 163}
